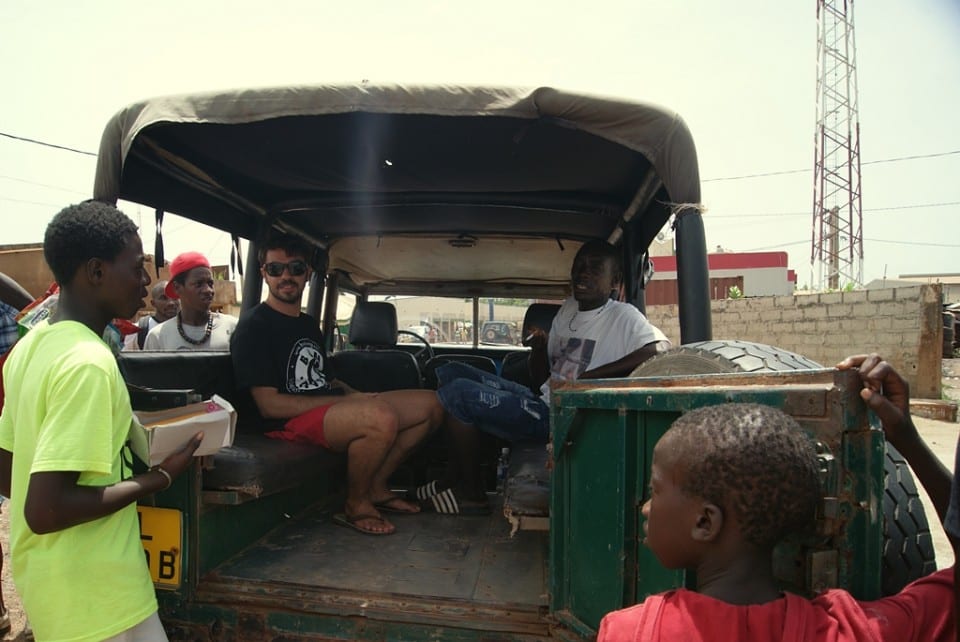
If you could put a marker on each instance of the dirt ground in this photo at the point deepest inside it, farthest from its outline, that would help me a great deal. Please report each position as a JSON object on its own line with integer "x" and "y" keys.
{"x": 951, "y": 379}
{"x": 941, "y": 436}
{"x": 10, "y": 597}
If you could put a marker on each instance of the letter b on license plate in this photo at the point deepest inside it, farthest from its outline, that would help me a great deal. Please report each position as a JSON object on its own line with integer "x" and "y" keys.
{"x": 161, "y": 538}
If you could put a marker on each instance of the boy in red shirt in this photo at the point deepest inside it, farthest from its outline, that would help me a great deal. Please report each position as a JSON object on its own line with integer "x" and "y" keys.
{"x": 727, "y": 483}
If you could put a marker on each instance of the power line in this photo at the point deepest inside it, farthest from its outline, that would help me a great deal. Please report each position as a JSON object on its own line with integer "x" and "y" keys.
{"x": 902, "y": 158}
{"x": 911, "y": 243}
{"x": 57, "y": 187}
{"x": 17, "y": 200}
{"x": 792, "y": 243}
{"x": 872, "y": 209}
{"x": 778, "y": 245}
{"x": 40, "y": 142}
{"x": 760, "y": 175}
{"x": 798, "y": 171}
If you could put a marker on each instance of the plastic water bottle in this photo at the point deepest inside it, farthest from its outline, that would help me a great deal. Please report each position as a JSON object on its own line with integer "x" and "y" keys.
{"x": 503, "y": 465}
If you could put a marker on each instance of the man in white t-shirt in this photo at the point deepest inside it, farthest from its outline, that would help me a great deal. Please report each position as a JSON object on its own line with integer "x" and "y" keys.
{"x": 195, "y": 327}
{"x": 592, "y": 337}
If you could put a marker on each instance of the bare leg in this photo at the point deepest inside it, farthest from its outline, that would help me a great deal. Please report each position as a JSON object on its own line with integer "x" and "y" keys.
{"x": 3, "y": 607}
{"x": 419, "y": 414}
{"x": 377, "y": 432}
{"x": 366, "y": 430}
{"x": 4, "y": 616}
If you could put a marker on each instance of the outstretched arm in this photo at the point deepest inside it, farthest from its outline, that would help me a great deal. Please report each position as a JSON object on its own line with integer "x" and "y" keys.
{"x": 888, "y": 395}
{"x": 55, "y": 501}
{"x": 12, "y": 293}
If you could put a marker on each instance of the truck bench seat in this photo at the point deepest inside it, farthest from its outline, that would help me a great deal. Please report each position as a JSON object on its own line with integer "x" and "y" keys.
{"x": 254, "y": 465}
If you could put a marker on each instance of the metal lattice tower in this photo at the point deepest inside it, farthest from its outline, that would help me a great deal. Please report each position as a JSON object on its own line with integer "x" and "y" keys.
{"x": 837, "y": 252}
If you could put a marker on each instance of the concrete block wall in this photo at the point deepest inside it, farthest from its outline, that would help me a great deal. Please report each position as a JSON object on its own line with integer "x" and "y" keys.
{"x": 902, "y": 324}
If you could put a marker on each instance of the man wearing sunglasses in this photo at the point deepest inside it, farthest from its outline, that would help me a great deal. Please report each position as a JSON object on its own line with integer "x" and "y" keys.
{"x": 195, "y": 326}
{"x": 279, "y": 356}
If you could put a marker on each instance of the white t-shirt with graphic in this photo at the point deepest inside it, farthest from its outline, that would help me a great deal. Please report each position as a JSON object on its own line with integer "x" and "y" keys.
{"x": 581, "y": 341}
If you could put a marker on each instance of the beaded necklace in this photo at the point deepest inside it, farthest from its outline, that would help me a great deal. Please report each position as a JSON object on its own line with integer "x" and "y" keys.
{"x": 201, "y": 340}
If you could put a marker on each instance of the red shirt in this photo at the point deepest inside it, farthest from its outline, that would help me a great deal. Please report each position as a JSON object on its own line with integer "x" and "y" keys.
{"x": 921, "y": 612}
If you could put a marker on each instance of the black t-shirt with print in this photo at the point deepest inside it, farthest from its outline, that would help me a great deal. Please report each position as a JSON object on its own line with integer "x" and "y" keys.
{"x": 275, "y": 350}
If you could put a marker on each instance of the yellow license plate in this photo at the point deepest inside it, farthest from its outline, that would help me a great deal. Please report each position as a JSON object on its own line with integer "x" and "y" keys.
{"x": 160, "y": 534}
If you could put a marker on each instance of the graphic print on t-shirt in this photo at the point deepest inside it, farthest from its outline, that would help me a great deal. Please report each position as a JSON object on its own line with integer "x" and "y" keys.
{"x": 305, "y": 367}
{"x": 574, "y": 358}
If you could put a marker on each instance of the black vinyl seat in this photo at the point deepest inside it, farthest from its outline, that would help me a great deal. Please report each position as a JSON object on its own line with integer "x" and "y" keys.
{"x": 376, "y": 365}
{"x": 255, "y": 465}
{"x": 516, "y": 365}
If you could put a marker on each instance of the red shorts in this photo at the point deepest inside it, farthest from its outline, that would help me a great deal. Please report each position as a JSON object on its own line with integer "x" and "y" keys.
{"x": 305, "y": 428}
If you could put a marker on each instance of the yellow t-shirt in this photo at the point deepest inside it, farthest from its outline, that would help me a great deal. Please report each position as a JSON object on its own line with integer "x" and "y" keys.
{"x": 67, "y": 409}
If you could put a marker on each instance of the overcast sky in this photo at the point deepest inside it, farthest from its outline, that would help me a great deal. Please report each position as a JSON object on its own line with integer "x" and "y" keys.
{"x": 741, "y": 74}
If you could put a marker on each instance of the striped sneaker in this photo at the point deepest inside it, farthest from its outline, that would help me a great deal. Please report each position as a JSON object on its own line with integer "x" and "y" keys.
{"x": 446, "y": 503}
{"x": 425, "y": 492}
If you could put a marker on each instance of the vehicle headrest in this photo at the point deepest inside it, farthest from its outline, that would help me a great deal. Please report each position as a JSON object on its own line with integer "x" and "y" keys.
{"x": 373, "y": 324}
{"x": 539, "y": 315}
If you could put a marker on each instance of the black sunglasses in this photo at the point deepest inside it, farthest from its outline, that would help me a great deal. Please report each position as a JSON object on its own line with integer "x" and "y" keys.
{"x": 276, "y": 268}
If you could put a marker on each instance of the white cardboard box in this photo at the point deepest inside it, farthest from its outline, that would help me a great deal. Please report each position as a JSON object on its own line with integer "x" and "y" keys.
{"x": 155, "y": 435}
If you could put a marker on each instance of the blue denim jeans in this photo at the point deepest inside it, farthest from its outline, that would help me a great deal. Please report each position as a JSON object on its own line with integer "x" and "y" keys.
{"x": 493, "y": 404}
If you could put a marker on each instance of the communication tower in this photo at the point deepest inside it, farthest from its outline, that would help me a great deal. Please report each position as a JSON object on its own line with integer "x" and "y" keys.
{"x": 836, "y": 256}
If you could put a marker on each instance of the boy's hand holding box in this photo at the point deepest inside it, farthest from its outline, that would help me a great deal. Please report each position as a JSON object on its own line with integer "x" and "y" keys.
{"x": 156, "y": 434}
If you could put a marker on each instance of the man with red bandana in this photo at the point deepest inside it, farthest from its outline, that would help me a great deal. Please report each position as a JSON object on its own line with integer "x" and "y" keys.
{"x": 195, "y": 327}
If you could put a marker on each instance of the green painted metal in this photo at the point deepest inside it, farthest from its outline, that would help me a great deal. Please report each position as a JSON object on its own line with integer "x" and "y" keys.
{"x": 604, "y": 436}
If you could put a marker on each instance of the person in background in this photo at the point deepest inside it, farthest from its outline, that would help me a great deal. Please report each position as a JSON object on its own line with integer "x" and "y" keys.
{"x": 76, "y": 552}
{"x": 195, "y": 326}
{"x": 728, "y": 482}
{"x": 164, "y": 308}
{"x": 13, "y": 298}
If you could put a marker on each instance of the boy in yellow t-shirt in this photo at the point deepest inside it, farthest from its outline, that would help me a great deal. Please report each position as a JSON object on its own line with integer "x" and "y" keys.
{"x": 75, "y": 540}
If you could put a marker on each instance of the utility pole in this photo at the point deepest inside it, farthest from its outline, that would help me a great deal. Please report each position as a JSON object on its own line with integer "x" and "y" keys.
{"x": 836, "y": 256}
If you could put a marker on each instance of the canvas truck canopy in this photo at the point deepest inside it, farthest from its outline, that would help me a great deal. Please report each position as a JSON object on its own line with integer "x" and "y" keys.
{"x": 395, "y": 181}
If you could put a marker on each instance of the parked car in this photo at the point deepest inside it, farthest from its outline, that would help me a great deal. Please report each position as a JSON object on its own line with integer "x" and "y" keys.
{"x": 505, "y": 332}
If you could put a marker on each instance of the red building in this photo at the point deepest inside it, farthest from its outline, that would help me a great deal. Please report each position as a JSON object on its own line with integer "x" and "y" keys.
{"x": 753, "y": 273}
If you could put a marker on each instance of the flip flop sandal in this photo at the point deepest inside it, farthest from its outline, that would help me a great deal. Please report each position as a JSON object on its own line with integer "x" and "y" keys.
{"x": 446, "y": 503}
{"x": 390, "y": 506}
{"x": 425, "y": 492}
{"x": 351, "y": 521}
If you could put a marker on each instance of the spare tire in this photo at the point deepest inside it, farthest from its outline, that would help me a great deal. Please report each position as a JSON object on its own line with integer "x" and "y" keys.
{"x": 709, "y": 357}
{"x": 907, "y": 544}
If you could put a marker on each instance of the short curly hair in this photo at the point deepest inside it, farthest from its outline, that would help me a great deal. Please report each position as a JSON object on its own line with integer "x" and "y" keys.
{"x": 753, "y": 460}
{"x": 292, "y": 245}
{"x": 80, "y": 232}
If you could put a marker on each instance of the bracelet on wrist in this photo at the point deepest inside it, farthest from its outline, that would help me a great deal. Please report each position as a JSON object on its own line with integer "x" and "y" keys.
{"x": 160, "y": 470}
